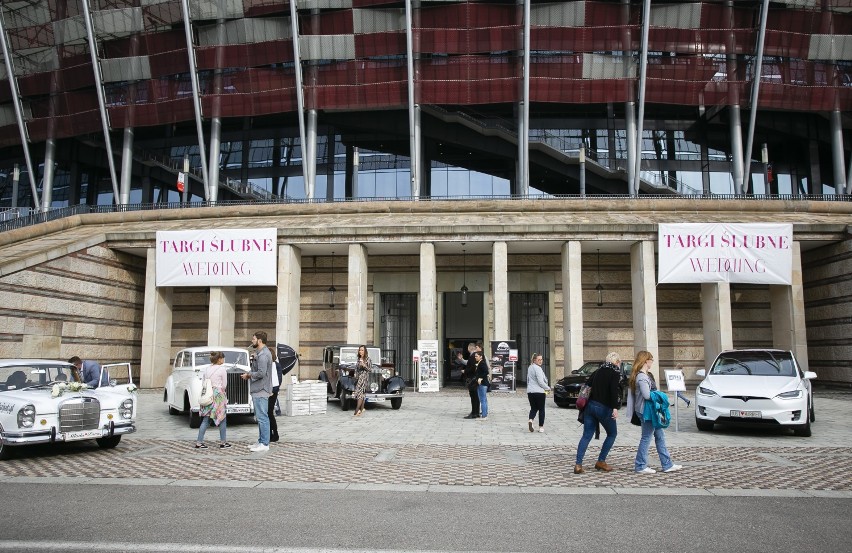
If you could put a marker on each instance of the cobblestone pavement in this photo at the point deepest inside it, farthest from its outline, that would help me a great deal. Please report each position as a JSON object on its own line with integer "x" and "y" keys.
{"x": 428, "y": 446}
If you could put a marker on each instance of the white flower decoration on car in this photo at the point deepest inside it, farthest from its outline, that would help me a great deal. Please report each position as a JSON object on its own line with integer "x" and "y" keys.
{"x": 61, "y": 387}
{"x": 131, "y": 388}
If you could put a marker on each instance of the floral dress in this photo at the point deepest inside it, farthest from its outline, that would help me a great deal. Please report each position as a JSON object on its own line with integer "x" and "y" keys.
{"x": 363, "y": 369}
{"x": 216, "y": 410}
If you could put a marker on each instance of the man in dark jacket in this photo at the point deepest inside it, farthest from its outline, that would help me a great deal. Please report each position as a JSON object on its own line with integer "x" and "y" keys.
{"x": 470, "y": 375}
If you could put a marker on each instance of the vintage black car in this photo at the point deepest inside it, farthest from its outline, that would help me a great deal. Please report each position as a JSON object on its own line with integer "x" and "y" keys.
{"x": 566, "y": 389}
{"x": 338, "y": 372}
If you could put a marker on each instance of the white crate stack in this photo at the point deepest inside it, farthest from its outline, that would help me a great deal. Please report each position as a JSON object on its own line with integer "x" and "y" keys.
{"x": 307, "y": 397}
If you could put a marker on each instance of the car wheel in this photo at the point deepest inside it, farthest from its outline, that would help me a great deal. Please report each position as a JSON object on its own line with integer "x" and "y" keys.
{"x": 194, "y": 419}
{"x": 703, "y": 424}
{"x": 5, "y": 451}
{"x": 173, "y": 411}
{"x": 396, "y": 402}
{"x": 109, "y": 442}
{"x": 344, "y": 401}
{"x": 804, "y": 430}
{"x": 812, "y": 413}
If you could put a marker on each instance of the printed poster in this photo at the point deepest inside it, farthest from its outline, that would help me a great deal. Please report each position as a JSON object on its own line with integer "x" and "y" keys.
{"x": 427, "y": 369}
{"x": 503, "y": 361}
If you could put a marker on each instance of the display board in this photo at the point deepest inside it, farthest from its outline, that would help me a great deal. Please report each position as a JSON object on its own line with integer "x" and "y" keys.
{"x": 426, "y": 361}
{"x": 502, "y": 365}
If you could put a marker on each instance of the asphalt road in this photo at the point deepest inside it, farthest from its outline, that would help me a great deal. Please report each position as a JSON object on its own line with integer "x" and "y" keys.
{"x": 89, "y": 518}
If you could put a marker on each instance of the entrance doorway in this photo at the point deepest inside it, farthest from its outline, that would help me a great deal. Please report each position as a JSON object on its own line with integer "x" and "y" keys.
{"x": 528, "y": 326}
{"x": 398, "y": 332}
{"x": 462, "y": 325}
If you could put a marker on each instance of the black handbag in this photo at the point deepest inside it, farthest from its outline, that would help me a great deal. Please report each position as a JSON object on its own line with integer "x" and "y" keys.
{"x": 635, "y": 420}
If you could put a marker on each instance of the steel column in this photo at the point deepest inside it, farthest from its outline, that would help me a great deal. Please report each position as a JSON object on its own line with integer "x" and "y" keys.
{"x": 643, "y": 70}
{"x": 16, "y": 100}
{"x": 300, "y": 94}
{"x": 49, "y": 170}
{"x": 755, "y": 90}
{"x": 837, "y": 156}
{"x": 126, "y": 166}
{"x": 196, "y": 101}
{"x": 413, "y": 108}
{"x": 523, "y": 186}
{"x": 99, "y": 88}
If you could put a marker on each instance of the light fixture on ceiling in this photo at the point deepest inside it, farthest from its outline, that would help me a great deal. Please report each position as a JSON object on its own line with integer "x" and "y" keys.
{"x": 599, "y": 288}
{"x": 464, "y": 277}
{"x": 331, "y": 289}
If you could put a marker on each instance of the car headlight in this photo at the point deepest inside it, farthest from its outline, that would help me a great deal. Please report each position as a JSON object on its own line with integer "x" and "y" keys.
{"x": 793, "y": 394}
{"x": 125, "y": 410}
{"x": 706, "y": 391}
{"x": 559, "y": 388}
{"x": 373, "y": 387}
{"x": 386, "y": 373}
{"x": 26, "y": 416}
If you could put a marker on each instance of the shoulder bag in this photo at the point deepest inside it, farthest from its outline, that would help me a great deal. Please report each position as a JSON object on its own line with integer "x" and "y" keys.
{"x": 206, "y": 397}
{"x": 585, "y": 392}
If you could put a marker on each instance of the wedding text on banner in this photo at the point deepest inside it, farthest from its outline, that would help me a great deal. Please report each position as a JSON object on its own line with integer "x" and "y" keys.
{"x": 755, "y": 253}
{"x": 222, "y": 257}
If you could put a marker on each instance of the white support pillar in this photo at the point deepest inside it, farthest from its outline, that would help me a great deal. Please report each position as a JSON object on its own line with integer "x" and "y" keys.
{"x": 716, "y": 319}
{"x": 500, "y": 272}
{"x": 788, "y": 313}
{"x": 47, "y": 178}
{"x": 126, "y": 167}
{"x": 156, "y": 329}
{"x": 221, "y": 319}
{"x": 215, "y": 149}
{"x": 837, "y": 156}
{"x": 310, "y": 155}
{"x": 428, "y": 292}
{"x": 287, "y": 313}
{"x": 736, "y": 133}
{"x": 572, "y": 306}
{"x": 356, "y": 296}
{"x": 643, "y": 283}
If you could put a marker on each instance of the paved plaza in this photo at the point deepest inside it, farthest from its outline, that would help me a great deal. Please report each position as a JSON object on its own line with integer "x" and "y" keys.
{"x": 428, "y": 446}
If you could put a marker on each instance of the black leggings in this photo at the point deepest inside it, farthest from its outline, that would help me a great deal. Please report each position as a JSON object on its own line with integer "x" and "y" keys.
{"x": 273, "y": 424}
{"x": 537, "y": 405}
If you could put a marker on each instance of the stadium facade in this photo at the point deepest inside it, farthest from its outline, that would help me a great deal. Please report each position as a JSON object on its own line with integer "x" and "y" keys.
{"x": 667, "y": 108}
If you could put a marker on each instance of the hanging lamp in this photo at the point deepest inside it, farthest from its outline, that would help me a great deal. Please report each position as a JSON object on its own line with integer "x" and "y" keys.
{"x": 599, "y": 288}
{"x": 331, "y": 289}
{"x": 464, "y": 277}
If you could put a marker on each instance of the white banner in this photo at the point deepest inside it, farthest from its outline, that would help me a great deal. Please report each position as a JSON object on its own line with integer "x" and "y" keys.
{"x": 758, "y": 253}
{"x": 223, "y": 257}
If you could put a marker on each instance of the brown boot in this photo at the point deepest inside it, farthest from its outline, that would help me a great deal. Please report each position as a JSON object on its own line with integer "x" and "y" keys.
{"x": 578, "y": 469}
{"x": 601, "y": 465}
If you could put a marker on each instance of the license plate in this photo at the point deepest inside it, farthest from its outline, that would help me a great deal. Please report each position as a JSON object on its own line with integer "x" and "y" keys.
{"x": 83, "y": 435}
{"x": 571, "y": 394}
{"x": 237, "y": 410}
{"x": 746, "y": 414}
{"x": 375, "y": 399}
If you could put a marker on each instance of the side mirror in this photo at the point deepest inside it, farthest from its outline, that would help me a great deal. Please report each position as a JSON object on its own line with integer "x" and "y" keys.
{"x": 701, "y": 372}
{"x": 810, "y": 375}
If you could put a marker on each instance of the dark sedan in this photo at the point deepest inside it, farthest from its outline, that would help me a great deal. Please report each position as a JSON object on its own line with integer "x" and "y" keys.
{"x": 566, "y": 389}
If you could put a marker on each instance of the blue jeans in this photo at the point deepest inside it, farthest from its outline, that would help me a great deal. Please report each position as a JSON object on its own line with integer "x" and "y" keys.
{"x": 648, "y": 430}
{"x": 482, "y": 391}
{"x": 261, "y": 413}
{"x": 595, "y": 413}
{"x": 205, "y": 422}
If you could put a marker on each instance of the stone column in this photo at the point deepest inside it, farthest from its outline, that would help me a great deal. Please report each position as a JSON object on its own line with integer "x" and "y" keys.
{"x": 788, "y": 313}
{"x": 428, "y": 292}
{"x": 156, "y": 329}
{"x": 356, "y": 296}
{"x": 287, "y": 320}
{"x": 572, "y": 306}
{"x": 644, "y": 289}
{"x": 220, "y": 326}
{"x": 500, "y": 271}
{"x": 716, "y": 317}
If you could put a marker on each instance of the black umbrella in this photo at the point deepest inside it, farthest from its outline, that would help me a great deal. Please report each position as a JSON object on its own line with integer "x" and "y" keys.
{"x": 287, "y": 356}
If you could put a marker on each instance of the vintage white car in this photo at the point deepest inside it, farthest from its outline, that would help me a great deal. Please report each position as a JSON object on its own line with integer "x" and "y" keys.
{"x": 44, "y": 401}
{"x": 183, "y": 386}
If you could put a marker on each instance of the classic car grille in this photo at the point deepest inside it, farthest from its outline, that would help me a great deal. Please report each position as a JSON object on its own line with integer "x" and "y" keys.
{"x": 79, "y": 414}
{"x": 238, "y": 389}
{"x": 375, "y": 377}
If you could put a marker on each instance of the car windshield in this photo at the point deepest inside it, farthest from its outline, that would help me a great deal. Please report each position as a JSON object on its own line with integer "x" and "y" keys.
{"x": 588, "y": 368}
{"x": 231, "y": 358}
{"x": 25, "y": 375}
{"x": 755, "y": 363}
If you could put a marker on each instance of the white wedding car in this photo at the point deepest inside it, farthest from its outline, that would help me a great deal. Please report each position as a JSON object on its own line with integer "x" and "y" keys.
{"x": 183, "y": 386}
{"x": 44, "y": 401}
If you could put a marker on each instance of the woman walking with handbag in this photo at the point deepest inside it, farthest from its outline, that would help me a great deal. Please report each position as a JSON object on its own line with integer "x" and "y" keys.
{"x": 639, "y": 391}
{"x": 215, "y": 411}
{"x": 537, "y": 389}
{"x": 601, "y": 408}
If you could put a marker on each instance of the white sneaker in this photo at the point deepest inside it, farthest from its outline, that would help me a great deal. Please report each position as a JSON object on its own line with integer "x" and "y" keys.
{"x": 646, "y": 470}
{"x": 255, "y": 446}
{"x": 673, "y": 468}
{"x": 260, "y": 448}
{"x": 541, "y": 429}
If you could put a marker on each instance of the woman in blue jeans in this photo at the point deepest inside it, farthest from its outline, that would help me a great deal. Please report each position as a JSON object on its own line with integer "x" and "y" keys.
{"x": 482, "y": 384}
{"x": 602, "y": 408}
{"x": 639, "y": 391}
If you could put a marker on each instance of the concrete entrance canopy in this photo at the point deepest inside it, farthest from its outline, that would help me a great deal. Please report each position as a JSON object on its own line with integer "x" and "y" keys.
{"x": 92, "y": 273}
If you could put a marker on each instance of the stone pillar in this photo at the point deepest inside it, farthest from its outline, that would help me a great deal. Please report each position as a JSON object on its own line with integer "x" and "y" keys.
{"x": 500, "y": 271}
{"x": 156, "y": 329}
{"x": 428, "y": 292}
{"x": 220, "y": 326}
{"x": 572, "y": 306}
{"x": 356, "y": 296}
{"x": 643, "y": 284}
{"x": 788, "y": 313}
{"x": 287, "y": 320}
{"x": 716, "y": 318}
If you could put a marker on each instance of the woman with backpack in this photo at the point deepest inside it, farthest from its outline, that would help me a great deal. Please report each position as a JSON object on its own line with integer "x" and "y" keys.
{"x": 640, "y": 387}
